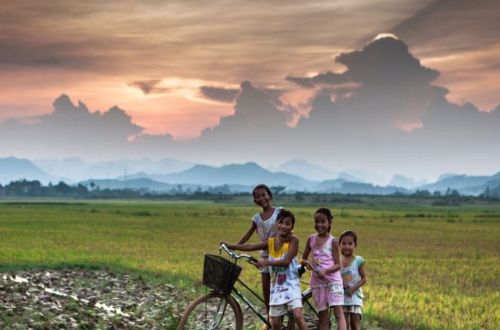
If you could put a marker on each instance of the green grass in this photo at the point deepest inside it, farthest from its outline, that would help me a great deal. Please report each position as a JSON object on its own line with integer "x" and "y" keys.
{"x": 428, "y": 267}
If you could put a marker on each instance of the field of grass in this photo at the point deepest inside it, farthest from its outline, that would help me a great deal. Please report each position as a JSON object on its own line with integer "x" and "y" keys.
{"x": 428, "y": 267}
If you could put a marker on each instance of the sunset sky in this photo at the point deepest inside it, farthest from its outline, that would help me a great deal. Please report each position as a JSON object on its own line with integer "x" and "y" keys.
{"x": 175, "y": 66}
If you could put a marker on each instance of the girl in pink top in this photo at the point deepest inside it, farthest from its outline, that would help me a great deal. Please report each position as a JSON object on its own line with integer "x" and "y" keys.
{"x": 326, "y": 281}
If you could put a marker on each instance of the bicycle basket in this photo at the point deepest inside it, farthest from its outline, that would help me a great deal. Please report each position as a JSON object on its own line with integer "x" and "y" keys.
{"x": 219, "y": 273}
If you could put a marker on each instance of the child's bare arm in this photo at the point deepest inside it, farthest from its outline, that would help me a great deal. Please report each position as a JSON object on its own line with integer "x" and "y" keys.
{"x": 248, "y": 247}
{"x": 361, "y": 282}
{"x": 305, "y": 255}
{"x": 248, "y": 234}
{"x": 336, "y": 258}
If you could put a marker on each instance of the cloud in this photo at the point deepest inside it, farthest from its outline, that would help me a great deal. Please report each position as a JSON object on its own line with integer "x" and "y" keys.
{"x": 254, "y": 112}
{"x": 386, "y": 60}
{"x": 150, "y": 87}
{"x": 70, "y": 130}
{"x": 327, "y": 78}
{"x": 383, "y": 113}
{"x": 219, "y": 94}
{"x": 397, "y": 118}
{"x": 450, "y": 26}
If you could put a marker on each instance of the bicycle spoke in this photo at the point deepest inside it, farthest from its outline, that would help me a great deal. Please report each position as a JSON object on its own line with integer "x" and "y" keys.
{"x": 210, "y": 314}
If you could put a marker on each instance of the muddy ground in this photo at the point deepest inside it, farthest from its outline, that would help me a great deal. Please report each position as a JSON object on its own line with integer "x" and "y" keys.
{"x": 86, "y": 299}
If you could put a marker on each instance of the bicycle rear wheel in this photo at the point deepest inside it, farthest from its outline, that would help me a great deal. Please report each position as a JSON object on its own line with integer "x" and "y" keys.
{"x": 212, "y": 311}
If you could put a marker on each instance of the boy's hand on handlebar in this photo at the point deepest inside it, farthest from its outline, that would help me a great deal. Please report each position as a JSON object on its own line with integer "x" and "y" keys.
{"x": 262, "y": 263}
{"x": 229, "y": 246}
{"x": 307, "y": 264}
{"x": 253, "y": 261}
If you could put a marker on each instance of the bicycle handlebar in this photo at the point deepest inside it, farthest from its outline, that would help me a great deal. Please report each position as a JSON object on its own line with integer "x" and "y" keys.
{"x": 237, "y": 256}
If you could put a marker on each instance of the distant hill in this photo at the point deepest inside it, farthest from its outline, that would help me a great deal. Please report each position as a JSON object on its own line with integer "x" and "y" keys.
{"x": 405, "y": 182}
{"x": 77, "y": 169}
{"x": 249, "y": 174}
{"x": 307, "y": 170}
{"x": 464, "y": 184}
{"x": 347, "y": 187}
{"x": 13, "y": 169}
{"x": 133, "y": 184}
{"x": 330, "y": 185}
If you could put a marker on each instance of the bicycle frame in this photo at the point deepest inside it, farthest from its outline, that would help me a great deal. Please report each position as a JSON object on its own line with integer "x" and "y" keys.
{"x": 247, "y": 302}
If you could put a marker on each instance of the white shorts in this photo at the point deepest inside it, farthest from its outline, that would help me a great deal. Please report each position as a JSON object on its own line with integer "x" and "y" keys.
{"x": 278, "y": 310}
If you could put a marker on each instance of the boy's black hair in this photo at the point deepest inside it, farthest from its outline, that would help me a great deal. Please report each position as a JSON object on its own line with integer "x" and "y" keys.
{"x": 286, "y": 214}
{"x": 328, "y": 214}
{"x": 262, "y": 186}
{"x": 349, "y": 233}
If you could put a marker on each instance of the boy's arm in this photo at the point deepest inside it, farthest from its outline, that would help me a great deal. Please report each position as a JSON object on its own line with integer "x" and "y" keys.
{"x": 292, "y": 253}
{"x": 248, "y": 247}
{"x": 248, "y": 234}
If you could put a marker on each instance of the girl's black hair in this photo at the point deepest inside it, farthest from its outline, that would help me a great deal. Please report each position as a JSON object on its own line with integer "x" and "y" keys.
{"x": 349, "y": 233}
{"x": 262, "y": 186}
{"x": 326, "y": 212}
{"x": 286, "y": 214}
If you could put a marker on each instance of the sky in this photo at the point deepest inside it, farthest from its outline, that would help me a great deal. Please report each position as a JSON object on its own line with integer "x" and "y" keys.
{"x": 268, "y": 81}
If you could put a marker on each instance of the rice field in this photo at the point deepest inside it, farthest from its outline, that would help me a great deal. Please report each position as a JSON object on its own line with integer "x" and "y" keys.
{"x": 428, "y": 267}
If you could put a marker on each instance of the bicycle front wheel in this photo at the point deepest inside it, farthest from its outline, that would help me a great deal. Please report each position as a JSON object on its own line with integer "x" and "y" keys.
{"x": 212, "y": 311}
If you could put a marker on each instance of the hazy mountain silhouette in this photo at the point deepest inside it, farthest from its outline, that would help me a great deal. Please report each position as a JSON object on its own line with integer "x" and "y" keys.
{"x": 307, "y": 170}
{"x": 132, "y": 184}
{"x": 12, "y": 169}
{"x": 464, "y": 184}
{"x": 249, "y": 174}
{"x": 77, "y": 169}
{"x": 405, "y": 182}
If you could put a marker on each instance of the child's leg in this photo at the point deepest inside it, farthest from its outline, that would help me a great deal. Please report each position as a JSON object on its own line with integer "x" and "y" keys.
{"x": 339, "y": 316}
{"x": 347, "y": 320}
{"x": 275, "y": 322}
{"x": 355, "y": 321}
{"x": 299, "y": 318}
{"x": 266, "y": 289}
{"x": 324, "y": 320}
{"x": 276, "y": 313}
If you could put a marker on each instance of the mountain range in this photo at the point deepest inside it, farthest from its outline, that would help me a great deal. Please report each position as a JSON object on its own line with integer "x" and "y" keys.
{"x": 169, "y": 174}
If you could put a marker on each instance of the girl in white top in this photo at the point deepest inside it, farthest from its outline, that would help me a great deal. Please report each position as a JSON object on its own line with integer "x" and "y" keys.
{"x": 285, "y": 284}
{"x": 264, "y": 223}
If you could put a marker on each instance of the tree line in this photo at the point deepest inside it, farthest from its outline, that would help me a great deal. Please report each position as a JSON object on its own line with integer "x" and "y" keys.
{"x": 34, "y": 189}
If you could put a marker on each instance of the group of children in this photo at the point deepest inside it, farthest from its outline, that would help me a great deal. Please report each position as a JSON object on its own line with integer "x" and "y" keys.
{"x": 337, "y": 274}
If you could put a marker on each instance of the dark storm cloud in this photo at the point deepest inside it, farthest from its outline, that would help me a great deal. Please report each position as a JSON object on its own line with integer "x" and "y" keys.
{"x": 150, "y": 87}
{"x": 386, "y": 60}
{"x": 452, "y": 26}
{"x": 220, "y": 94}
{"x": 327, "y": 78}
{"x": 256, "y": 117}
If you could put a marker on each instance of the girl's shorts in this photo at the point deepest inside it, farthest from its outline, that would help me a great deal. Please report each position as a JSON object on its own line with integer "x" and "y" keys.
{"x": 328, "y": 296}
{"x": 278, "y": 310}
{"x": 353, "y": 310}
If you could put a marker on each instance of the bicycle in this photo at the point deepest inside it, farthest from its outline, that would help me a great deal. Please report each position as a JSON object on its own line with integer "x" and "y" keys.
{"x": 221, "y": 309}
